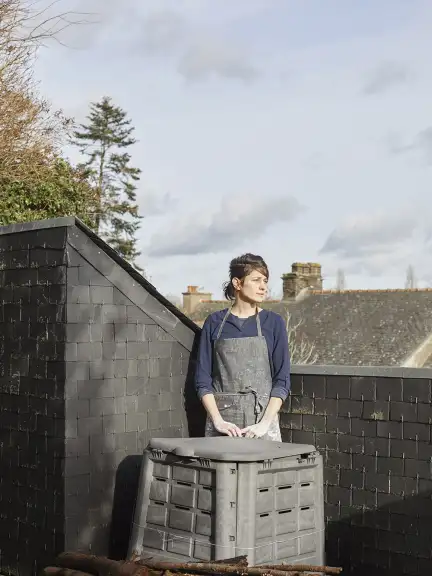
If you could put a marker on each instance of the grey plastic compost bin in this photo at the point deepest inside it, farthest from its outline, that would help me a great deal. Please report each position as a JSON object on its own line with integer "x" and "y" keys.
{"x": 214, "y": 498}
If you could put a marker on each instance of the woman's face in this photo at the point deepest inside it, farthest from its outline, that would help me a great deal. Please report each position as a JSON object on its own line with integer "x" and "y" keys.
{"x": 253, "y": 288}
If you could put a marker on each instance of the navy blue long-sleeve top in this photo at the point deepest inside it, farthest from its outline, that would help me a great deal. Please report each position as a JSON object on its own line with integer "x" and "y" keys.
{"x": 273, "y": 329}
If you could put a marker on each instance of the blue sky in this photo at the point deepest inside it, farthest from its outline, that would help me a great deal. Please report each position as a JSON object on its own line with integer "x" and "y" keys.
{"x": 297, "y": 129}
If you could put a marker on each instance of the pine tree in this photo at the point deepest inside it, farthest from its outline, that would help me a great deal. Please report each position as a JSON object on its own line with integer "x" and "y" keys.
{"x": 104, "y": 141}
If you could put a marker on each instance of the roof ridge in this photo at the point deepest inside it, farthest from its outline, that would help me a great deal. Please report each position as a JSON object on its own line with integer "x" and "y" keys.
{"x": 211, "y": 301}
{"x": 34, "y": 225}
{"x": 353, "y": 291}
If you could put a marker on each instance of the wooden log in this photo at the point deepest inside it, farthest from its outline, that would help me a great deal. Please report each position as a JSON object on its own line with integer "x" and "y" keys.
{"x": 77, "y": 564}
{"x": 237, "y": 561}
{"x": 101, "y": 566}
{"x": 58, "y": 571}
{"x": 305, "y": 568}
{"x": 209, "y": 568}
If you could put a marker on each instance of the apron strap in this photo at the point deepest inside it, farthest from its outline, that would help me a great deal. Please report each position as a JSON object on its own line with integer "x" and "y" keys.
{"x": 228, "y": 312}
{"x": 258, "y": 321}
{"x": 223, "y": 323}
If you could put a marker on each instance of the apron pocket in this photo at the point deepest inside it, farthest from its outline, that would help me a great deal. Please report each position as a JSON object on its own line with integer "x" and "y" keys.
{"x": 231, "y": 409}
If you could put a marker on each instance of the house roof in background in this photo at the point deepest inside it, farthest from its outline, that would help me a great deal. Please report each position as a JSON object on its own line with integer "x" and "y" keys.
{"x": 355, "y": 327}
{"x": 364, "y": 327}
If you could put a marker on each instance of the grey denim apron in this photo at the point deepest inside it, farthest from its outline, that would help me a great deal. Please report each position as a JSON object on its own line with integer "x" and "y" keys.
{"x": 242, "y": 381}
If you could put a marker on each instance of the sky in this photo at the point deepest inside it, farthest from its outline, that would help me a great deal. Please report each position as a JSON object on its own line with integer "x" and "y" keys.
{"x": 300, "y": 130}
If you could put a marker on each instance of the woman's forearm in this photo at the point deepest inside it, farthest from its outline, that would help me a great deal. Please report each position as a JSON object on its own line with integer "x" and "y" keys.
{"x": 272, "y": 409}
{"x": 211, "y": 408}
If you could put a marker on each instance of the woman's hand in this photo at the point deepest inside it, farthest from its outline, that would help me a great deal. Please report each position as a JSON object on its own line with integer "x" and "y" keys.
{"x": 261, "y": 428}
{"x": 226, "y": 428}
{"x": 256, "y": 430}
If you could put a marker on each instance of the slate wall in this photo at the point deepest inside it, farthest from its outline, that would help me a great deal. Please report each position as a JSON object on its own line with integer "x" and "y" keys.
{"x": 125, "y": 379}
{"x": 87, "y": 377}
{"x": 373, "y": 427}
{"x": 32, "y": 347}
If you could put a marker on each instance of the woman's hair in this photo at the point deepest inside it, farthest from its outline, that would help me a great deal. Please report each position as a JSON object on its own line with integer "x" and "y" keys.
{"x": 240, "y": 268}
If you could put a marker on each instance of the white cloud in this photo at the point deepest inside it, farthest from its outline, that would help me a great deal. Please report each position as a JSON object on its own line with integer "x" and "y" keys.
{"x": 420, "y": 143}
{"x": 423, "y": 143}
{"x": 161, "y": 32}
{"x": 368, "y": 234}
{"x": 196, "y": 50}
{"x": 237, "y": 221}
{"x": 381, "y": 244}
{"x": 387, "y": 75}
{"x": 215, "y": 58}
{"x": 154, "y": 204}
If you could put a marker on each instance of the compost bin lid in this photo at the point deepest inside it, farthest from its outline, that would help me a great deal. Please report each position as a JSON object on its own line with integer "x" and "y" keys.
{"x": 229, "y": 449}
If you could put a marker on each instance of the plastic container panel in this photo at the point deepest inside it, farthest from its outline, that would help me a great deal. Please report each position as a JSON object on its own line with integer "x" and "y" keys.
{"x": 192, "y": 507}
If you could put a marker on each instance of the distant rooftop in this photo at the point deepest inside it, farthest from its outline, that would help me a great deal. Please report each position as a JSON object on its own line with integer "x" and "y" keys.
{"x": 369, "y": 327}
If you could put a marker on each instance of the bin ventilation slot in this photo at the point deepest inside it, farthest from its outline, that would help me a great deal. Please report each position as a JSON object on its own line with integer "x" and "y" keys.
{"x": 263, "y": 490}
{"x": 264, "y": 515}
{"x": 305, "y": 508}
{"x": 181, "y": 483}
{"x": 206, "y": 513}
{"x": 159, "y": 503}
{"x": 284, "y": 511}
{"x": 160, "y": 479}
{"x": 305, "y": 484}
{"x": 284, "y": 487}
{"x": 182, "y": 507}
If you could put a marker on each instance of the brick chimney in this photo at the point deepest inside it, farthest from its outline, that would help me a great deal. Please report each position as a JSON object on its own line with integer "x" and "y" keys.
{"x": 192, "y": 298}
{"x": 303, "y": 275}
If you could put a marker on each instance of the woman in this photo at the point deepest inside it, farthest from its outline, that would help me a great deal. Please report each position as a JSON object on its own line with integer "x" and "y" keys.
{"x": 243, "y": 366}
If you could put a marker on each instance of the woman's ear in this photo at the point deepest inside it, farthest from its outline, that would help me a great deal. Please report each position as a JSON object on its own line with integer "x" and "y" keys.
{"x": 236, "y": 283}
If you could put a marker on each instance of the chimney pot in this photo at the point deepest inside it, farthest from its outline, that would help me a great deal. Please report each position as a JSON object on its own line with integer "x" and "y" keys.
{"x": 192, "y": 298}
{"x": 303, "y": 275}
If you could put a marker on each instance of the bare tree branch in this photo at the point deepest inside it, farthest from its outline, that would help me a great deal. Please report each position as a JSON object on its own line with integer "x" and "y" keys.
{"x": 302, "y": 351}
{"x": 31, "y": 133}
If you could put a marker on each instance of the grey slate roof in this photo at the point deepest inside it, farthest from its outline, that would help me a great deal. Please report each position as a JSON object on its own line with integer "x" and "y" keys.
{"x": 365, "y": 327}
{"x": 86, "y": 242}
{"x": 356, "y": 327}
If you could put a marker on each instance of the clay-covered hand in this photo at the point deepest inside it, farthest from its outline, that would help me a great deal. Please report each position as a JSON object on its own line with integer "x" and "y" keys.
{"x": 227, "y": 428}
{"x": 256, "y": 430}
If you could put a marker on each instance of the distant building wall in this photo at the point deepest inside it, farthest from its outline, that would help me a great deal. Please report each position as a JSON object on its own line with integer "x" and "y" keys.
{"x": 192, "y": 298}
